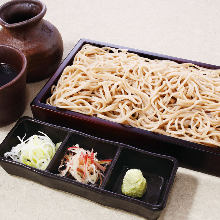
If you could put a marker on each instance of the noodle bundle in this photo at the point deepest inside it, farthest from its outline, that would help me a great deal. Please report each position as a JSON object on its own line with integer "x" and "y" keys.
{"x": 180, "y": 100}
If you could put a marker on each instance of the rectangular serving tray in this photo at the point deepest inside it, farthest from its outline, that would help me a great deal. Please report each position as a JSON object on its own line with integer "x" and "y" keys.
{"x": 190, "y": 155}
{"x": 158, "y": 170}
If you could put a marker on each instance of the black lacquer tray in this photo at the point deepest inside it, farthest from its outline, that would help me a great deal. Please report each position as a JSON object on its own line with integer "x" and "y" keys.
{"x": 190, "y": 155}
{"x": 157, "y": 169}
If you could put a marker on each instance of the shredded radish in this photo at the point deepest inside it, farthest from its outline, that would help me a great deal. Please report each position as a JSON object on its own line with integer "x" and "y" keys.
{"x": 83, "y": 165}
{"x": 36, "y": 151}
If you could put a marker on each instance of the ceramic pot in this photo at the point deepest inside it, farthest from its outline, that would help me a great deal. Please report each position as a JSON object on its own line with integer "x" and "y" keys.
{"x": 23, "y": 27}
{"x": 12, "y": 93}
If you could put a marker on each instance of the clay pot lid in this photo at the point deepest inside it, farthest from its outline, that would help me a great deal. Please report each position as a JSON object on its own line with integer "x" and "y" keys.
{"x": 19, "y": 13}
{"x": 8, "y": 50}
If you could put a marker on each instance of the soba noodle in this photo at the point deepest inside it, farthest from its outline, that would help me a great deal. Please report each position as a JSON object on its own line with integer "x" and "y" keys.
{"x": 180, "y": 100}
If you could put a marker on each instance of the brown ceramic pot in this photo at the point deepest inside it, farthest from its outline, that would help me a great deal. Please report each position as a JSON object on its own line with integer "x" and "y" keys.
{"x": 23, "y": 27}
{"x": 12, "y": 93}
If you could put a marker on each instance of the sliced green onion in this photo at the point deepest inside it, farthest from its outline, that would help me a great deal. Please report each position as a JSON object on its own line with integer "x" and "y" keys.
{"x": 37, "y": 151}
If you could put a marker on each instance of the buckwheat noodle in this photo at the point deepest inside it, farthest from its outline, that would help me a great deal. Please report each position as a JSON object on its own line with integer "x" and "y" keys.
{"x": 180, "y": 100}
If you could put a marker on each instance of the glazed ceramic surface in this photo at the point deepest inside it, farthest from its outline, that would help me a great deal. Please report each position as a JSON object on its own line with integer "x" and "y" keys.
{"x": 13, "y": 93}
{"x": 24, "y": 28}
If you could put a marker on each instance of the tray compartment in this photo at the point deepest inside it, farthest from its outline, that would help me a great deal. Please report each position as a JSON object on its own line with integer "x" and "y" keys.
{"x": 28, "y": 127}
{"x": 156, "y": 170}
{"x": 104, "y": 149}
{"x": 184, "y": 151}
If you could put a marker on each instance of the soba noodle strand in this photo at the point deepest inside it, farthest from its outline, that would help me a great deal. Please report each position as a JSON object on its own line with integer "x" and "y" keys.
{"x": 180, "y": 100}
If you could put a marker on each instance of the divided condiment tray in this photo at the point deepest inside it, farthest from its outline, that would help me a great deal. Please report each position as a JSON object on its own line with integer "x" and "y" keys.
{"x": 159, "y": 170}
{"x": 190, "y": 155}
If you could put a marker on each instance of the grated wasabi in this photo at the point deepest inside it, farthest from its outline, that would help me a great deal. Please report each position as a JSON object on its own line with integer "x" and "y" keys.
{"x": 134, "y": 184}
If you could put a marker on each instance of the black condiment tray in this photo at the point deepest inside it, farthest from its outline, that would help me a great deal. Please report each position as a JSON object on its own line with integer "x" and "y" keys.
{"x": 159, "y": 170}
{"x": 190, "y": 155}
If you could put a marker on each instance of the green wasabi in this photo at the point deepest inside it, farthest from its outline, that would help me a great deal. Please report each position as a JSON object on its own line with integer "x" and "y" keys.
{"x": 134, "y": 184}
